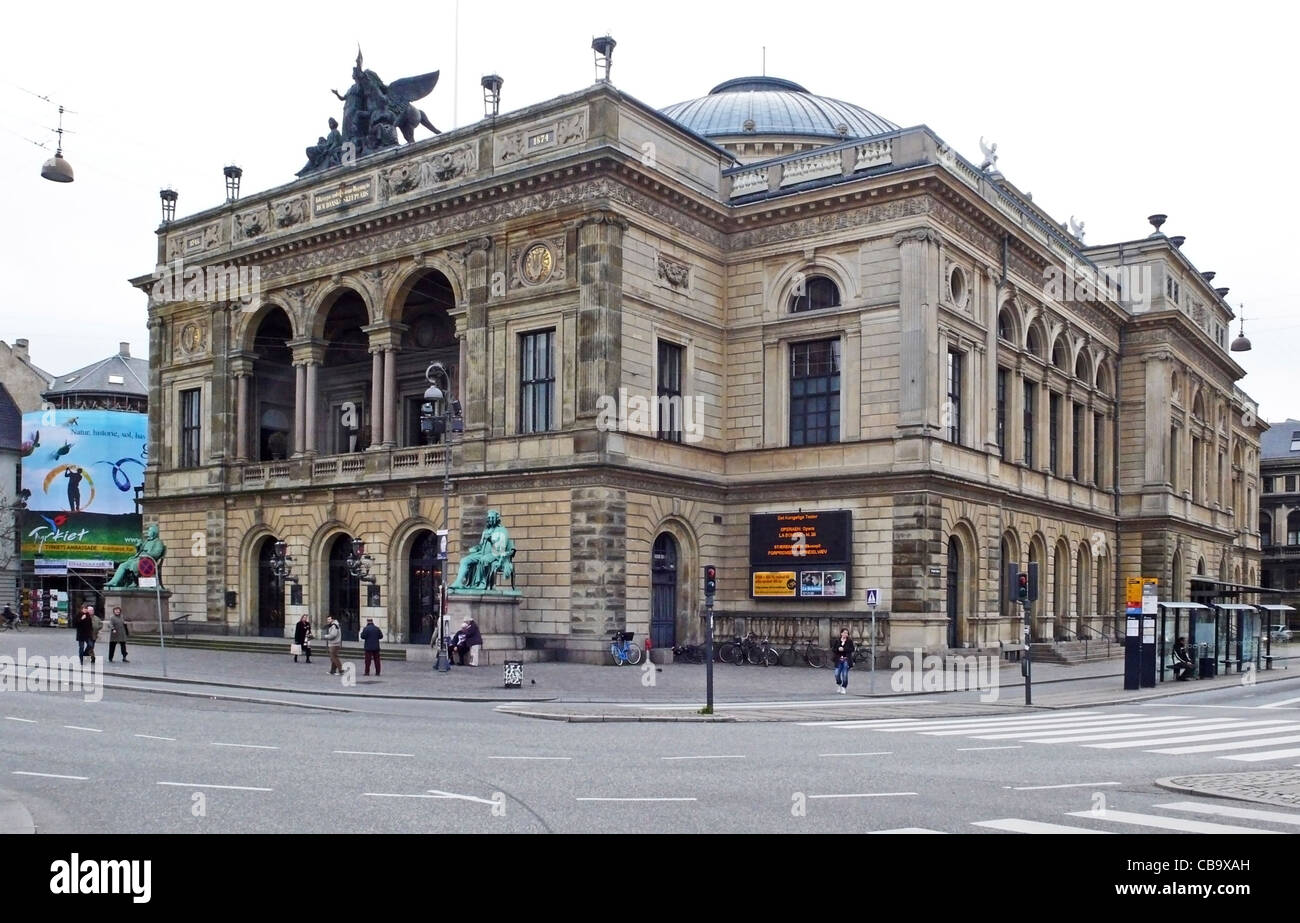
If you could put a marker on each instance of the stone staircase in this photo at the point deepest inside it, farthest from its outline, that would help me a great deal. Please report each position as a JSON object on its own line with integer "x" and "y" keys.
{"x": 1072, "y": 652}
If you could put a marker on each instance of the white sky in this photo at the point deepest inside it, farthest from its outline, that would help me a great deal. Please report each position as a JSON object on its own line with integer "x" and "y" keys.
{"x": 1107, "y": 112}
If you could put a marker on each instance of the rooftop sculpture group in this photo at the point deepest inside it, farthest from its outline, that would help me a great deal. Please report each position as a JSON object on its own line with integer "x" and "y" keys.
{"x": 373, "y": 114}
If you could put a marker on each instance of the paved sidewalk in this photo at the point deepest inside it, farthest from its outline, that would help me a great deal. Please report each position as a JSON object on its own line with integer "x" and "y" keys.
{"x": 1278, "y": 786}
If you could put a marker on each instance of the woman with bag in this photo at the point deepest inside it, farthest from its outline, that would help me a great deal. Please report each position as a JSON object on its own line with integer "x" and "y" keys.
{"x": 843, "y": 650}
{"x": 302, "y": 639}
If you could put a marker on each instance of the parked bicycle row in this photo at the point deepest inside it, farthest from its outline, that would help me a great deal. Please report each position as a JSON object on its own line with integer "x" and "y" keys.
{"x": 761, "y": 652}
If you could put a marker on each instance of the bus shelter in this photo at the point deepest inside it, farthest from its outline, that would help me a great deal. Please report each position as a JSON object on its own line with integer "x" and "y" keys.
{"x": 1274, "y": 613}
{"x": 1192, "y": 621}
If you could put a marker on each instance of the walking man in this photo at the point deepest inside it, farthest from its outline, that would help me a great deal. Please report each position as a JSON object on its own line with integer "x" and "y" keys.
{"x": 118, "y": 632}
{"x": 333, "y": 642}
{"x": 843, "y": 649}
{"x": 371, "y": 635}
{"x": 85, "y": 625}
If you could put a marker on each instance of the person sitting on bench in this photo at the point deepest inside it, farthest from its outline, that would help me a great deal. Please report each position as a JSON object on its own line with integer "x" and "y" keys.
{"x": 1182, "y": 661}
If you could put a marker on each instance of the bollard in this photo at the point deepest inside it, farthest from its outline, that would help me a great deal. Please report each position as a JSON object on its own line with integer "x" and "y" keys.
{"x": 514, "y": 674}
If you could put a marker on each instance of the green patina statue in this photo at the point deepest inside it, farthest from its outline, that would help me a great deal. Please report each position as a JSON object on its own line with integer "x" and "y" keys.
{"x": 492, "y": 559}
{"x": 128, "y": 572}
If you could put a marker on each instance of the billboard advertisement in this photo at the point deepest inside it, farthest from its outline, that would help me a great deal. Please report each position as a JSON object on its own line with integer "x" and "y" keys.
{"x": 80, "y": 472}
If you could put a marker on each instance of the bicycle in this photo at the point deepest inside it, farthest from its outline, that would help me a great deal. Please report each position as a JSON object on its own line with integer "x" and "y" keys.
{"x": 812, "y": 654}
{"x": 762, "y": 652}
{"x": 15, "y": 625}
{"x": 688, "y": 653}
{"x": 623, "y": 650}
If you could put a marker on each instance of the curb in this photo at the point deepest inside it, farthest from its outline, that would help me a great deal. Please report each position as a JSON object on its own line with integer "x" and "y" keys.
{"x": 14, "y": 818}
{"x": 1168, "y": 784}
{"x": 228, "y": 698}
{"x": 616, "y": 719}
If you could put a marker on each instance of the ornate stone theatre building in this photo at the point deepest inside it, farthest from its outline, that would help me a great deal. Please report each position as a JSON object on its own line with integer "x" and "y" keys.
{"x": 823, "y": 313}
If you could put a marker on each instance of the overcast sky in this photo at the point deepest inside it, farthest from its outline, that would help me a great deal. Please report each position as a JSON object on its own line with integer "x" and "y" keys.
{"x": 1107, "y": 112}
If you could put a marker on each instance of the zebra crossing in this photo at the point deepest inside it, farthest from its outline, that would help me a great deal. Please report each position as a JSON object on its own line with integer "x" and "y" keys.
{"x": 1171, "y": 819}
{"x": 1238, "y": 739}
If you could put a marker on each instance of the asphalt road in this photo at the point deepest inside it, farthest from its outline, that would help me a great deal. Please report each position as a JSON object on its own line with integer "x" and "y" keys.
{"x": 140, "y": 762}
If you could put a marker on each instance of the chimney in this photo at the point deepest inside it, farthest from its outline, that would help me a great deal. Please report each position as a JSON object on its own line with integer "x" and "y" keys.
{"x": 20, "y": 350}
{"x": 124, "y": 349}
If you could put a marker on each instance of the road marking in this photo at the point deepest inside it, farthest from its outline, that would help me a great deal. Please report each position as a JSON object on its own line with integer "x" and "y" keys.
{"x": 233, "y": 788}
{"x": 530, "y": 757}
{"x": 397, "y": 795}
{"x": 50, "y": 775}
{"x": 1266, "y": 755}
{"x": 245, "y": 746}
{"x": 937, "y": 723}
{"x": 635, "y": 799}
{"x": 1280, "y": 704}
{"x": 1215, "y": 735}
{"x": 73, "y": 727}
{"x": 1039, "y": 788}
{"x": 866, "y": 795}
{"x": 452, "y": 795}
{"x": 740, "y": 706}
{"x": 869, "y": 753}
{"x": 1016, "y": 825}
{"x": 1276, "y": 817}
{"x": 733, "y": 757}
{"x": 23, "y": 720}
{"x": 1025, "y": 725}
{"x": 370, "y": 753}
{"x": 907, "y": 830}
{"x": 1164, "y": 823}
{"x": 1142, "y": 732}
{"x": 1129, "y": 724}
{"x": 151, "y": 737}
{"x": 965, "y": 749}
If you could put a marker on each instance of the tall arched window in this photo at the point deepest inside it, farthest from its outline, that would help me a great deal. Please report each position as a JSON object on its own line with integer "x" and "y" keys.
{"x": 815, "y": 293}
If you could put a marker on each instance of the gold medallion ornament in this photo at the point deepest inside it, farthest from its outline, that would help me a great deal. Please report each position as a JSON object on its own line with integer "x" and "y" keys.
{"x": 538, "y": 263}
{"x": 191, "y": 338}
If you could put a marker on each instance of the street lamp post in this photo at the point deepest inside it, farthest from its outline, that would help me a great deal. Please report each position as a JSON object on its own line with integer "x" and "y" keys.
{"x": 358, "y": 565}
{"x": 280, "y": 570}
{"x": 440, "y": 416}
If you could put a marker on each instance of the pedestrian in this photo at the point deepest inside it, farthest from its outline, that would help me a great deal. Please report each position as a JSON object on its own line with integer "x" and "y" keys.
{"x": 302, "y": 638}
{"x": 371, "y": 635}
{"x": 86, "y": 631}
{"x": 843, "y": 650}
{"x": 333, "y": 642}
{"x": 118, "y": 632}
{"x": 1182, "y": 660}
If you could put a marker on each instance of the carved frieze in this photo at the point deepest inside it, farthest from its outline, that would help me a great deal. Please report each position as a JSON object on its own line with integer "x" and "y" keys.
{"x": 518, "y": 144}
{"x": 251, "y": 224}
{"x": 194, "y": 241}
{"x": 673, "y": 272}
{"x": 290, "y": 211}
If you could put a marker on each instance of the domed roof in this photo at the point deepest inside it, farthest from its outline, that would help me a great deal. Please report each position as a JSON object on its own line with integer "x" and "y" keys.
{"x": 771, "y": 106}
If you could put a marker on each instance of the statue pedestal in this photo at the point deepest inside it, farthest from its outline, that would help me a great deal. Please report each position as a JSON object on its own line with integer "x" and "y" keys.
{"x": 139, "y": 606}
{"x": 496, "y": 612}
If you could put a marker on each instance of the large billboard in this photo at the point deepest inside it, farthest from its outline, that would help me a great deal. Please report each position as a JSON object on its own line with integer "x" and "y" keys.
{"x": 80, "y": 472}
{"x": 800, "y": 555}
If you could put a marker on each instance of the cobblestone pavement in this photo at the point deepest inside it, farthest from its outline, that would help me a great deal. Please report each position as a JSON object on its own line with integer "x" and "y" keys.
{"x": 1277, "y": 786}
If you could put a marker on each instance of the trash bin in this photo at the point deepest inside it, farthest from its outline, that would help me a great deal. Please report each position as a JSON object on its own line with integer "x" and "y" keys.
{"x": 1207, "y": 667}
{"x": 514, "y": 674}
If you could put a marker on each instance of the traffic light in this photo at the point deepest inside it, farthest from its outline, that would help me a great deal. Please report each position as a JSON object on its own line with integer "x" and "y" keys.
{"x": 1022, "y": 588}
{"x": 710, "y": 579}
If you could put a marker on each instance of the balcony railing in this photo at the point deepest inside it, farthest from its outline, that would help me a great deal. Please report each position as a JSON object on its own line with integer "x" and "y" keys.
{"x": 357, "y": 467}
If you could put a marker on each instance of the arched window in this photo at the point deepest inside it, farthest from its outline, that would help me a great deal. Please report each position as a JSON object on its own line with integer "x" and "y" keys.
{"x": 1034, "y": 343}
{"x": 1293, "y": 528}
{"x": 815, "y": 293}
{"x": 1265, "y": 529}
{"x": 1061, "y": 354}
{"x": 1006, "y": 327}
{"x": 1082, "y": 370}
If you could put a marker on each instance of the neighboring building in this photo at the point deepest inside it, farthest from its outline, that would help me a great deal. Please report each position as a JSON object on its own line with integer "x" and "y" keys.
{"x": 117, "y": 383}
{"x": 1279, "y": 513}
{"x": 859, "y": 324}
{"x": 23, "y": 380}
{"x": 11, "y": 423}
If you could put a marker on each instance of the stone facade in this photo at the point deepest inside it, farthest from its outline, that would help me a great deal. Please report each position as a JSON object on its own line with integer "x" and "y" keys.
{"x": 591, "y": 252}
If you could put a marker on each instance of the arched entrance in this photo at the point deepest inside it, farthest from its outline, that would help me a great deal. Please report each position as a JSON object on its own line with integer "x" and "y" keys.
{"x": 424, "y": 596}
{"x": 344, "y": 589}
{"x": 954, "y": 588}
{"x": 273, "y": 387}
{"x": 270, "y": 593}
{"x": 663, "y": 591}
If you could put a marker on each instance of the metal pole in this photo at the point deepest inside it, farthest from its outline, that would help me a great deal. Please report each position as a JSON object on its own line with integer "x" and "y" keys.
{"x": 872, "y": 669}
{"x": 708, "y": 658}
{"x": 162, "y": 642}
{"x": 1029, "y": 660}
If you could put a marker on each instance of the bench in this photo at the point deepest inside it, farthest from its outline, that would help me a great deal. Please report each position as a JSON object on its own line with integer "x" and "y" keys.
{"x": 1012, "y": 650}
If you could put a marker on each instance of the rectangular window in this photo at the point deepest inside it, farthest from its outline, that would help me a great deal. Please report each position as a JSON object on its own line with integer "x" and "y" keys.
{"x": 1031, "y": 398}
{"x": 1098, "y": 441}
{"x": 1076, "y": 439}
{"x": 537, "y": 382}
{"x": 954, "y": 397}
{"x": 670, "y": 391}
{"x": 815, "y": 392}
{"x": 191, "y": 427}
{"x": 1053, "y": 433}
{"x": 1003, "y": 374}
{"x": 1290, "y": 483}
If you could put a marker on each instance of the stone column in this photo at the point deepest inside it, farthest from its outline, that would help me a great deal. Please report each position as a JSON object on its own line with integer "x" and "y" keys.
{"x": 990, "y": 302}
{"x": 1015, "y": 434}
{"x": 299, "y": 407}
{"x": 156, "y": 333}
{"x": 313, "y": 400}
{"x": 390, "y": 398}
{"x": 475, "y": 365}
{"x": 220, "y": 416}
{"x": 241, "y": 367}
{"x": 918, "y": 409}
{"x": 376, "y": 398}
{"x": 600, "y": 315}
{"x": 1086, "y": 417}
{"x": 1157, "y": 420}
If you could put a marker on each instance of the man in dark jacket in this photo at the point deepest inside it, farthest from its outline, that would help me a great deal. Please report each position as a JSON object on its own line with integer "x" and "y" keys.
{"x": 118, "y": 632}
{"x": 466, "y": 639}
{"x": 371, "y": 635}
{"x": 86, "y": 632}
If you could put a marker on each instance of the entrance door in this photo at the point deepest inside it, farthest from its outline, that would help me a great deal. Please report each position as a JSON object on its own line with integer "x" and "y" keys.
{"x": 954, "y": 588}
{"x": 663, "y": 594}
{"x": 345, "y": 590}
{"x": 424, "y": 588}
{"x": 270, "y": 594}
